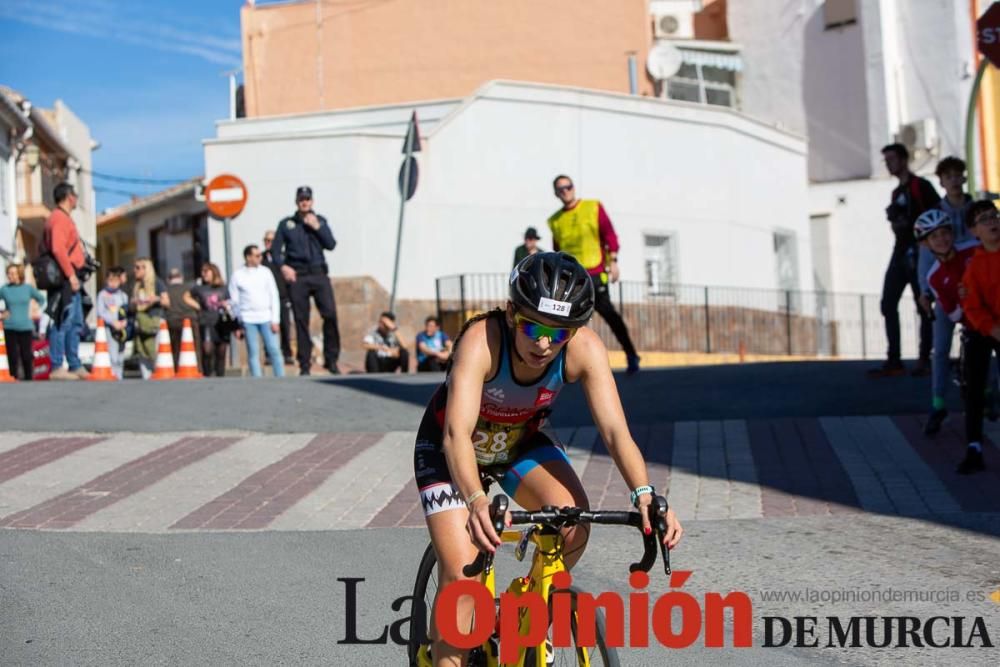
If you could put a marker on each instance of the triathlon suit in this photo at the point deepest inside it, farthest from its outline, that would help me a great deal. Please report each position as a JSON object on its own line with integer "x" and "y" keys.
{"x": 509, "y": 437}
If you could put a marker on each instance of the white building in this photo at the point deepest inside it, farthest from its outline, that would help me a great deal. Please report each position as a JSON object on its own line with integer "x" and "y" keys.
{"x": 13, "y": 125}
{"x": 685, "y": 185}
{"x": 170, "y": 227}
{"x": 853, "y": 76}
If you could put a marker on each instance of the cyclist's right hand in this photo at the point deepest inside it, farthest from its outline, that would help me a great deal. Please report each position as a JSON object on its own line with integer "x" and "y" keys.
{"x": 480, "y": 526}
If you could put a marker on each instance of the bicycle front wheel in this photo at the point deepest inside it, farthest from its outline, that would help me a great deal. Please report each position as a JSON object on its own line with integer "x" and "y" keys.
{"x": 600, "y": 654}
{"x": 424, "y": 590}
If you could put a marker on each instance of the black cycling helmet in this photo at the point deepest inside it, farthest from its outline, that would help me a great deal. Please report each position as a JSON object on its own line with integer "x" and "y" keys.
{"x": 554, "y": 285}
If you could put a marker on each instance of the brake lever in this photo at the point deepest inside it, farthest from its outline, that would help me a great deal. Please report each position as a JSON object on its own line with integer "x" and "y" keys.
{"x": 484, "y": 561}
{"x": 661, "y": 529}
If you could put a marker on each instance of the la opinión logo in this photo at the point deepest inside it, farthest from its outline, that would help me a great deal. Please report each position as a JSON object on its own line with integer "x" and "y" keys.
{"x": 699, "y": 619}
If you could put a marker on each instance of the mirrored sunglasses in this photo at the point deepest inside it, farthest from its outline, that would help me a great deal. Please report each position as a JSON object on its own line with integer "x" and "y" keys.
{"x": 536, "y": 331}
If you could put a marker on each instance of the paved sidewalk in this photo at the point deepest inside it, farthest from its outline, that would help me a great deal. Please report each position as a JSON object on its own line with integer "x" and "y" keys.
{"x": 713, "y": 469}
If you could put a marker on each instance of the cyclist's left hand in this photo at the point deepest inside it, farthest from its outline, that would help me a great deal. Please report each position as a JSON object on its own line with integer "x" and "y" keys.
{"x": 674, "y": 528}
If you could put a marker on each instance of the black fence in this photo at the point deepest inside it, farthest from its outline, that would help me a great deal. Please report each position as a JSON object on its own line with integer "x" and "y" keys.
{"x": 687, "y": 318}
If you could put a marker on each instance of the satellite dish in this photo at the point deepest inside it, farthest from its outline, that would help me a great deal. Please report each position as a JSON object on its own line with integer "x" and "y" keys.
{"x": 664, "y": 60}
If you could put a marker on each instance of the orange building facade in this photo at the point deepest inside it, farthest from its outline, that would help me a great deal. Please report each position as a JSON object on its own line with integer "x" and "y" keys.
{"x": 313, "y": 56}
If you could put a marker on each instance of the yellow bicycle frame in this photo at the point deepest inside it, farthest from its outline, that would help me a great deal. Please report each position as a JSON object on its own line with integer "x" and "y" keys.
{"x": 545, "y": 563}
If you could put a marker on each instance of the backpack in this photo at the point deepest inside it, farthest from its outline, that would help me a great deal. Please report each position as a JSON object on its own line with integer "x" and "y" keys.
{"x": 48, "y": 274}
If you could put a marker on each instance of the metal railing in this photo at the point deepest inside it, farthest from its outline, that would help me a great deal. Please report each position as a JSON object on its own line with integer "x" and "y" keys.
{"x": 688, "y": 318}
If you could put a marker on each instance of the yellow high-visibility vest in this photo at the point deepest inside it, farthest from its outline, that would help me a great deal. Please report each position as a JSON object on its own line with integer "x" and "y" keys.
{"x": 577, "y": 232}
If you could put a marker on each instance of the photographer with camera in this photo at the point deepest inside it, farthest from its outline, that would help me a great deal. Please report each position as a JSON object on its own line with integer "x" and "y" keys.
{"x": 65, "y": 293}
{"x": 910, "y": 198}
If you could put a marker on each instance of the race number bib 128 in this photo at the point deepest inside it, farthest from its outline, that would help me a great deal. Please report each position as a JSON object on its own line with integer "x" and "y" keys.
{"x": 494, "y": 443}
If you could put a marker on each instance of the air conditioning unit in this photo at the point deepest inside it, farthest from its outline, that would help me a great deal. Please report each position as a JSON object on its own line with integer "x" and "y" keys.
{"x": 673, "y": 25}
{"x": 919, "y": 137}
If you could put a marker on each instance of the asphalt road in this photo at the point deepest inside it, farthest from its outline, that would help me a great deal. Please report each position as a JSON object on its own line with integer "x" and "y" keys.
{"x": 274, "y": 598}
{"x": 396, "y": 403}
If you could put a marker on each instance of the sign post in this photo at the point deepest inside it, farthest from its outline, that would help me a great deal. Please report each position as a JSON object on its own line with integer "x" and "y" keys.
{"x": 988, "y": 42}
{"x": 225, "y": 197}
{"x": 407, "y": 186}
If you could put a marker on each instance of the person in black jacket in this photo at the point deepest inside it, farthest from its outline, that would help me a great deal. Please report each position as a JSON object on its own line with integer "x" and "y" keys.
{"x": 297, "y": 251}
{"x": 286, "y": 301}
{"x": 910, "y": 198}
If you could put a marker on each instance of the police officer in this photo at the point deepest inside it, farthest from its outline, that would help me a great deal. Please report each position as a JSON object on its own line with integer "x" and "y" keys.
{"x": 297, "y": 250}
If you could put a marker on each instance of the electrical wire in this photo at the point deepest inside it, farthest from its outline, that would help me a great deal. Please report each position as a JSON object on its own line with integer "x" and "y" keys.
{"x": 131, "y": 179}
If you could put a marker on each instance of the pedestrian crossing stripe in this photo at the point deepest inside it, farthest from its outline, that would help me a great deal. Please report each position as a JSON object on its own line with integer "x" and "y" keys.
{"x": 712, "y": 470}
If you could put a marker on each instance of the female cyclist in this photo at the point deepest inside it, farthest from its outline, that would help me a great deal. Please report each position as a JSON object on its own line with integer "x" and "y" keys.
{"x": 490, "y": 413}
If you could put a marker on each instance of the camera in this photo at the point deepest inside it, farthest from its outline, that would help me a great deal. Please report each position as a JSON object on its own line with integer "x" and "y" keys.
{"x": 90, "y": 266}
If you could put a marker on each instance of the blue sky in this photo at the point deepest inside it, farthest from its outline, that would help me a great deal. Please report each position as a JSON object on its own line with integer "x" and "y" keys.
{"x": 146, "y": 76}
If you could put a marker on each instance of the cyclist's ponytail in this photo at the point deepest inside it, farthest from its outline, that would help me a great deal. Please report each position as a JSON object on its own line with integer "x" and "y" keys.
{"x": 496, "y": 313}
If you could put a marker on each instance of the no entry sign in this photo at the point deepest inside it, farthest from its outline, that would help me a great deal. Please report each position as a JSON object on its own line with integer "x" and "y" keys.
{"x": 225, "y": 196}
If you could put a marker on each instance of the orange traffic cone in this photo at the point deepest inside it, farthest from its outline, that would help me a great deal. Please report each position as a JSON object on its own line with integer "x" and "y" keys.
{"x": 5, "y": 375}
{"x": 101, "y": 372}
{"x": 187, "y": 362}
{"x": 164, "y": 369}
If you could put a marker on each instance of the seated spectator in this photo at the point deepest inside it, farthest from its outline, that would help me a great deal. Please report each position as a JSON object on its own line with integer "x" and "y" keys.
{"x": 433, "y": 347}
{"x": 384, "y": 353}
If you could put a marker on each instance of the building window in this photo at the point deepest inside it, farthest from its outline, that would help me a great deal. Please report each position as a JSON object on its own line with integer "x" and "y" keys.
{"x": 838, "y": 13}
{"x": 705, "y": 84}
{"x": 786, "y": 260}
{"x": 660, "y": 251}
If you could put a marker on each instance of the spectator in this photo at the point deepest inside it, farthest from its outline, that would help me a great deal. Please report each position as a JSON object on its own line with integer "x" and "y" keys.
{"x": 182, "y": 307}
{"x": 286, "y": 303}
{"x": 19, "y": 329}
{"x": 215, "y": 319}
{"x": 951, "y": 174}
{"x": 254, "y": 298}
{"x": 583, "y": 229}
{"x": 910, "y": 198}
{"x": 112, "y": 302}
{"x": 433, "y": 347}
{"x": 529, "y": 247}
{"x": 65, "y": 304}
{"x": 297, "y": 251}
{"x": 149, "y": 298}
{"x": 384, "y": 352}
{"x": 981, "y": 305}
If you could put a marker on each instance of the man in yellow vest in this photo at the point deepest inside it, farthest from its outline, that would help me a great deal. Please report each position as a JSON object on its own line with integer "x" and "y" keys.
{"x": 583, "y": 229}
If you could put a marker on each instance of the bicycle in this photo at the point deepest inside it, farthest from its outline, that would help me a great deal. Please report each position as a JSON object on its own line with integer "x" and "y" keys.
{"x": 547, "y": 561}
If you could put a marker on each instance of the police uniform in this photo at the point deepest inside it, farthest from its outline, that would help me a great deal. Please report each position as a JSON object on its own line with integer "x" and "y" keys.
{"x": 301, "y": 247}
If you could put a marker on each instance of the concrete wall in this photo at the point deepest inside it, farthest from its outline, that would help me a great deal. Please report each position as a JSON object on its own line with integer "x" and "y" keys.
{"x": 76, "y": 135}
{"x": 859, "y": 240}
{"x": 850, "y": 88}
{"x": 308, "y": 56}
{"x": 486, "y": 173}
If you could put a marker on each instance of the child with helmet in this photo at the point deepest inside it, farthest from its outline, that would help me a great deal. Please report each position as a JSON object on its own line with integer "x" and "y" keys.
{"x": 934, "y": 231}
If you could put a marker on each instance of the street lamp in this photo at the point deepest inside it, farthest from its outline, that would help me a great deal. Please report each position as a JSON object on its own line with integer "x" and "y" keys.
{"x": 32, "y": 155}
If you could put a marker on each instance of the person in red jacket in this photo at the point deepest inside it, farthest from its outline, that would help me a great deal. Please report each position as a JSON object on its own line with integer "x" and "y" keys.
{"x": 981, "y": 305}
{"x": 66, "y": 304}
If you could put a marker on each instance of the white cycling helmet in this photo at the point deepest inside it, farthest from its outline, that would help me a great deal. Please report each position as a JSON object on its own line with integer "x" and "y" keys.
{"x": 929, "y": 221}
